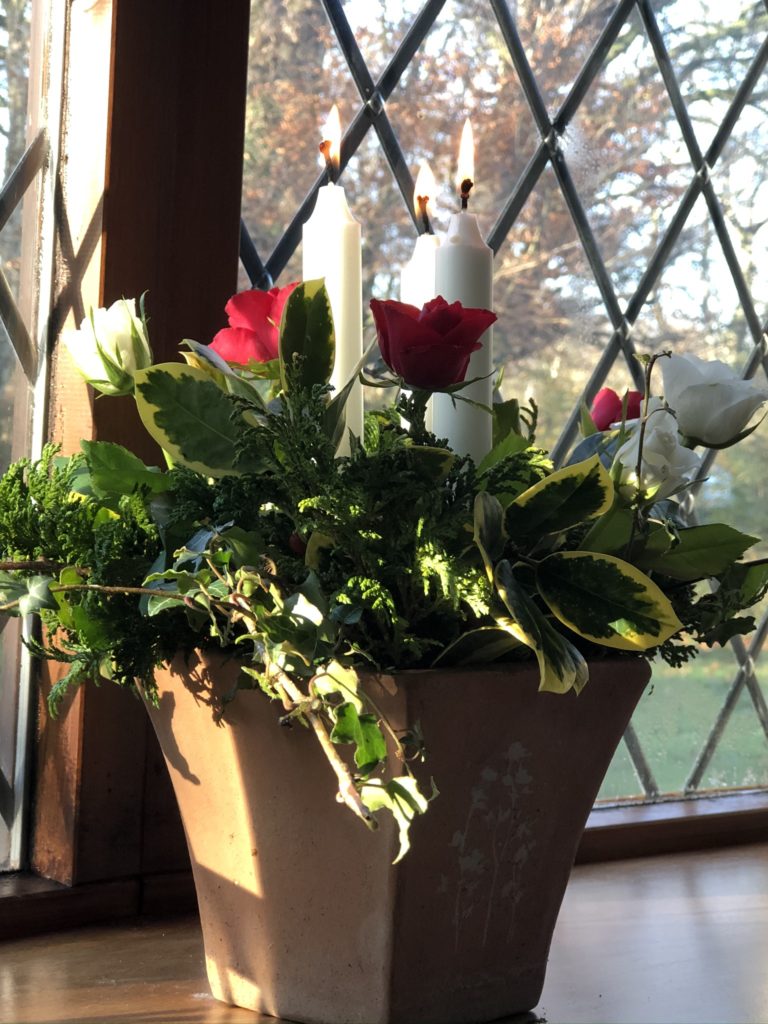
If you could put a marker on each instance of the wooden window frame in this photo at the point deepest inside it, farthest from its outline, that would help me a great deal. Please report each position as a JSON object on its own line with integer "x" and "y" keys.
{"x": 153, "y": 204}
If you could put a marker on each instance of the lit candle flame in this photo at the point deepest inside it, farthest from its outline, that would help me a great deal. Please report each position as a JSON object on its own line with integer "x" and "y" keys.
{"x": 331, "y": 145}
{"x": 425, "y": 188}
{"x": 466, "y": 169}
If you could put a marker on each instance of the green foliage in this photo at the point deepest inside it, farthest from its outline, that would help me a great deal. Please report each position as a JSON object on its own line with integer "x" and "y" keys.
{"x": 40, "y": 515}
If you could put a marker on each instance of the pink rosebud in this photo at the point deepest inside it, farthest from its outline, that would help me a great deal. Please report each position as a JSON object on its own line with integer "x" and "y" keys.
{"x": 430, "y": 347}
{"x": 297, "y": 545}
{"x": 606, "y": 408}
{"x": 254, "y": 325}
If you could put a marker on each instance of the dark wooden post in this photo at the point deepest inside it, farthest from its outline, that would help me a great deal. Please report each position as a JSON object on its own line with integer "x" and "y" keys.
{"x": 153, "y": 205}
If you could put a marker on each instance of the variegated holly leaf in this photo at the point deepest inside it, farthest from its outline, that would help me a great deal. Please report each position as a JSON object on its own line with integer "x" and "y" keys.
{"x": 561, "y": 666}
{"x": 489, "y": 529}
{"x": 571, "y": 495}
{"x": 190, "y": 417}
{"x": 306, "y": 331}
{"x": 606, "y": 600}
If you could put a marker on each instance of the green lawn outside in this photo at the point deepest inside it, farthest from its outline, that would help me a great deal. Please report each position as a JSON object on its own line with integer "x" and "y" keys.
{"x": 673, "y": 720}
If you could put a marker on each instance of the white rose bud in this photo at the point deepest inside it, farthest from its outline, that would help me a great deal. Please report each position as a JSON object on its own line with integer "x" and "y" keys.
{"x": 712, "y": 403}
{"x": 110, "y": 346}
{"x": 667, "y": 465}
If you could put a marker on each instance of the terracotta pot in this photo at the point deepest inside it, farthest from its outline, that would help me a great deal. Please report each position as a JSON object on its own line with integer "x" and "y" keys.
{"x": 304, "y": 916}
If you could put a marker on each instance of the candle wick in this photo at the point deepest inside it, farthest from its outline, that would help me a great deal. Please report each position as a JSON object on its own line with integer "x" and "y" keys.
{"x": 466, "y": 188}
{"x": 330, "y": 166}
{"x": 425, "y": 221}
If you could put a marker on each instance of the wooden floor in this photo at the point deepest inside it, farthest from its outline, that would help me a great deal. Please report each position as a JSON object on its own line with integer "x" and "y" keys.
{"x": 666, "y": 940}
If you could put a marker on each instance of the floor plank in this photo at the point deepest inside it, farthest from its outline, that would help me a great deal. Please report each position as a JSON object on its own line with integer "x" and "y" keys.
{"x": 666, "y": 940}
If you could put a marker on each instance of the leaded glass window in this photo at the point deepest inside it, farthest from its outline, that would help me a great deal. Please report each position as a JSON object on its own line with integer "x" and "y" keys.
{"x": 621, "y": 182}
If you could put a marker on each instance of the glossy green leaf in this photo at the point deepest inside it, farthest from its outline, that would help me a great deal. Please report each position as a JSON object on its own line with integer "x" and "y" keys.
{"x": 478, "y": 647}
{"x": 247, "y": 546}
{"x": 506, "y": 423}
{"x": 189, "y": 416}
{"x": 701, "y": 551}
{"x": 561, "y": 666}
{"x": 115, "y": 470}
{"x": 611, "y": 532}
{"x": 748, "y": 579}
{"x": 306, "y": 331}
{"x": 606, "y": 600}
{"x": 509, "y": 445}
{"x": 571, "y": 495}
{"x": 586, "y": 423}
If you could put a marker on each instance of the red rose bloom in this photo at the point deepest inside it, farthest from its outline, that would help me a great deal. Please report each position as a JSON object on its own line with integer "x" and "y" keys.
{"x": 606, "y": 408}
{"x": 430, "y": 347}
{"x": 254, "y": 325}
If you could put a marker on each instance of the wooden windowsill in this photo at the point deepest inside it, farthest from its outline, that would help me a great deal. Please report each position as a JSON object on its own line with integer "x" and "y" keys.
{"x": 31, "y": 905}
{"x": 615, "y": 832}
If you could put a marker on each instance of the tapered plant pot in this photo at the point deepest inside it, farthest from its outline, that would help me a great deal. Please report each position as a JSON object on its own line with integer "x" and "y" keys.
{"x": 304, "y": 915}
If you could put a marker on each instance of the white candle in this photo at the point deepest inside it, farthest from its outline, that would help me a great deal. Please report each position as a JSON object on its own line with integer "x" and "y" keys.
{"x": 464, "y": 273}
{"x": 417, "y": 279}
{"x": 331, "y": 249}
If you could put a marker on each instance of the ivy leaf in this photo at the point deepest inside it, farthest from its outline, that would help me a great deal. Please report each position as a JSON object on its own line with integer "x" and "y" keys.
{"x": 701, "y": 551}
{"x": 306, "y": 330}
{"x": 364, "y": 732}
{"x": 565, "y": 498}
{"x": 606, "y": 600}
{"x": 33, "y": 593}
{"x": 400, "y": 796}
{"x": 341, "y": 679}
{"x": 561, "y": 666}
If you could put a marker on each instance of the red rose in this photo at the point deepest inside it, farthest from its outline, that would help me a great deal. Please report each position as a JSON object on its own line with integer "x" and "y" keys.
{"x": 430, "y": 347}
{"x": 606, "y": 408}
{"x": 254, "y": 325}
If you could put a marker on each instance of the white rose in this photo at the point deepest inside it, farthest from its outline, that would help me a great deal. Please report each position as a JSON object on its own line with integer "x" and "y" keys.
{"x": 713, "y": 404}
{"x": 109, "y": 347}
{"x": 667, "y": 465}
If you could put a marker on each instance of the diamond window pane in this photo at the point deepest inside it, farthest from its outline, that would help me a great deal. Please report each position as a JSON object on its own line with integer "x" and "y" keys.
{"x": 558, "y": 38}
{"x": 628, "y": 157}
{"x": 711, "y": 45}
{"x": 612, "y": 234}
